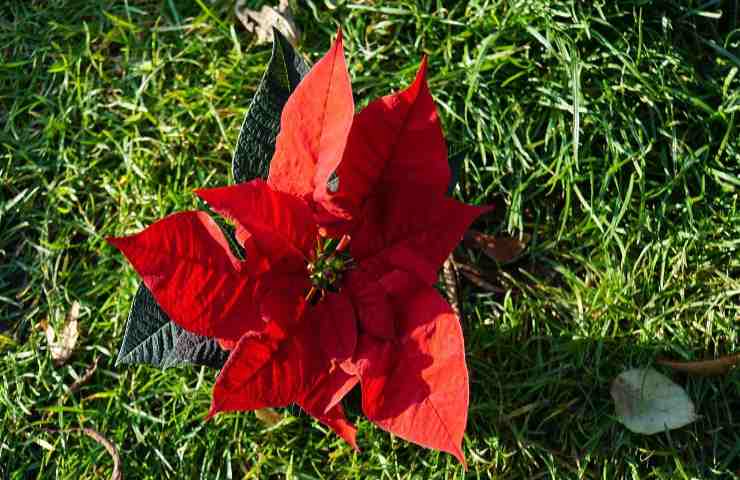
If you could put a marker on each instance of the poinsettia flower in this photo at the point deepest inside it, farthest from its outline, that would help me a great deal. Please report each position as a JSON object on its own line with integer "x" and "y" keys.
{"x": 343, "y": 243}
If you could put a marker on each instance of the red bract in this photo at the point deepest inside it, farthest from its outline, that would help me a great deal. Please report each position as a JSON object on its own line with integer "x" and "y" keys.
{"x": 309, "y": 317}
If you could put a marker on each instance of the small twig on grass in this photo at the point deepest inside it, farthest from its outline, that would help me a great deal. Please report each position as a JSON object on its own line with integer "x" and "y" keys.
{"x": 477, "y": 277}
{"x": 102, "y": 440}
{"x": 452, "y": 286}
{"x": 85, "y": 377}
{"x": 108, "y": 445}
{"x": 705, "y": 368}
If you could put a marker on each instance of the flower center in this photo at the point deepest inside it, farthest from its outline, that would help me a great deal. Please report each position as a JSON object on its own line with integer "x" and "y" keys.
{"x": 332, "y": 259}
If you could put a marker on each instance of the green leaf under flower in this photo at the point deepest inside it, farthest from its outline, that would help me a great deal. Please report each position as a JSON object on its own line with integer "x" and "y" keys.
{"x": 151, "y": 337}
{"x": 256, "y": 144}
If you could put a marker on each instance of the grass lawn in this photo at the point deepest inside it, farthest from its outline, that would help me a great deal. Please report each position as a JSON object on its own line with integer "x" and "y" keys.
{"x": 605, "y": 132}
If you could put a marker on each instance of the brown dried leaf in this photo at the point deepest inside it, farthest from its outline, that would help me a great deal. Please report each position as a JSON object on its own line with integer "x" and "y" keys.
{"x": 108, "y": 445}
{"x": 477, "y": 277}
{"x": 262, "y": 22}
{"x": 268, "y": 416}
{"x": 62, "y": 345}
{"x": 704, "y": 368}
{"x": 449, "y": 279}
{"x": 500, "y": 249}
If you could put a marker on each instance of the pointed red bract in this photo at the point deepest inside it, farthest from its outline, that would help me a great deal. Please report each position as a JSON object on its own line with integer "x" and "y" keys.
{"x": 313, "y": 127}
{"x": 334, "y": 319}
{"x": 371, "y": 288}
{"x": 417, "y": 387}
{"x": 396, "y": 142}
{"x": 280, "y": 225}
{"x": 411, "y": 230}
{"x": 340, "y": 384}
{"x": 374, "y": 314}
{"x": 187, "y": 264}
{"x": 322, "y": 402}
{"x": 281, "y": 300}
{"x": 269, "y": 371}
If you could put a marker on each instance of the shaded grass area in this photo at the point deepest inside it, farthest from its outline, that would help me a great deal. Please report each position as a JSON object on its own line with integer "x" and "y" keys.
{"x": 606, "y": 132}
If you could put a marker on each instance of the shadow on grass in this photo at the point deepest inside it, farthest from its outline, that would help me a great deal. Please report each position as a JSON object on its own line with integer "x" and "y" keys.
{"x": 548, "y": 396}
{"x": 543, "y": 354}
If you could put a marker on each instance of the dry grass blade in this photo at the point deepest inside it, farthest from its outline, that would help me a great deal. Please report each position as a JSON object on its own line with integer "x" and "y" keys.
{"x": 268, "y": 416}
{"x": 112, "y": 450}
{"x": 62, "y": 345}
{"x": 449, "y": 279}
{"x": 705, "y": 368}
{"x": 500, "y": 249}
{"x": 86, "y": 377}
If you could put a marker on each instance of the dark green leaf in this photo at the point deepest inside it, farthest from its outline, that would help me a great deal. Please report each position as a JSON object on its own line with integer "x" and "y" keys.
{"x": 256, "y": 143}
{"x": 151, "y": 337}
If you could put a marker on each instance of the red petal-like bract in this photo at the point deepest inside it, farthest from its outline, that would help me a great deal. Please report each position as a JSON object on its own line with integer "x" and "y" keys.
{"x": 396, "y": 142}
{"x": 411, "y": 230}
{"x": 269, "y": 370}
{"x": 281, "y": 225}
{"x": 334, "y": 318}
{"x": 313, "y": 127}
{"x": 374, "y": 313}
{"x": 323, "y": 400}
{"x": 186, "y": 262}
{"x": 417, "y": 387}
{"x": 281, "y": 300}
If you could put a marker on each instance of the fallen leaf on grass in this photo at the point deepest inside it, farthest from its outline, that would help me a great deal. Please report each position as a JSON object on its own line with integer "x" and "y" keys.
{"x": 108, "y": 445}
{"x": 263, "y": 21}
{"x": 268, "y": 416}
{"x": 62, "y": 345}
{"x": 500, "y": 249}
{"x": 704, "y": 368}
{"x": 648, "y": 402}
